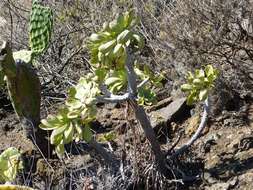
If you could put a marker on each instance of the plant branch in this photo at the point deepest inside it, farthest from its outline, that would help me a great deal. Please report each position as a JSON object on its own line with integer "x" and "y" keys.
{"x": 198, "y": 132}
{"x": 142, "y": 117}
{"x": 109, "y": 158}
{"x": 131, "y": 75}
{"x": 113, "y": 98}
{"x": 143, "y": 83}
{"x": 64, "y": 64}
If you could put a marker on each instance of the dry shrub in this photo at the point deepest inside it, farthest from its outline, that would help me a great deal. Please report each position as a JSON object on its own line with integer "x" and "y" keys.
{"x": 219, "y": 33}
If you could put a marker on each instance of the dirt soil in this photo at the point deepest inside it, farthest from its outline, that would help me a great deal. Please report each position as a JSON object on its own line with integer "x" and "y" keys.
{"x": 221, "y": 159}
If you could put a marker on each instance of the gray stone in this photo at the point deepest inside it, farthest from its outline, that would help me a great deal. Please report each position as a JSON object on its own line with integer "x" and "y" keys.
{"x": 169, "y": 113}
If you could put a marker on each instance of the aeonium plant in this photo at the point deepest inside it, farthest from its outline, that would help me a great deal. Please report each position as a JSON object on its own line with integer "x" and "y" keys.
{"x": 10, "y": 163}
{"x": 198, "y": 88}
{"x": 72, "y": 121}
{"x": 22, "y": 80}
{"x": 199, "y": 84}
{"x": 108, "y": 81}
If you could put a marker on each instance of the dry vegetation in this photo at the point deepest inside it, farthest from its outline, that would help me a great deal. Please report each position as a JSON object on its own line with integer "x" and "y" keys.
{"x": 180, "y": 35}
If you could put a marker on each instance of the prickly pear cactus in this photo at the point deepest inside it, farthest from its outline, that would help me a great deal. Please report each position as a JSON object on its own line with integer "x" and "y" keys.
{"x": 40, "y": 30}
{"x": 41, "y": 23}
{"x": 24, "y": 89}
{"x": 23, "y": 86}
{"x": 22, "y": 81}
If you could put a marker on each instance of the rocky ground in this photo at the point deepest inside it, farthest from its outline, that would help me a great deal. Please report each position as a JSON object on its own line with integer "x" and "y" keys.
{"x": 179, "y": 36}
{"x": 220, "y": 159}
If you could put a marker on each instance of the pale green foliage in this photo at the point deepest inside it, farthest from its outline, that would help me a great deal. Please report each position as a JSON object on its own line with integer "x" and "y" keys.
{"x": 116, "y": 81}
{"x": 146, "y": 95}
{"x": 72, "y": 122}
{"x": 107, "y": 137}
{"x": 108, "y": 49}
{"x": 14, "y": 187}
{"x": 9, "y": 164}
{"x": 41, "y": 23}
{"x": 24, "y": 55}
{"x": 199, "y": 84}
{"x": 108, "y": 56}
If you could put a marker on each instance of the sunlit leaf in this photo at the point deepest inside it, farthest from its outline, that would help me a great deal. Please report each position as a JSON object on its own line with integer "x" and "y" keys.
{"x": 59, "y": 149}
{"x": 68, "y": 134}
{"x": 186, "y": 87}
{"x": 57, "y": 134}
{"x": 199, "y": 84}
{"x": 146, "y": 96}
{"x": 24, "y": 55}
{"x": 203, "y": 94}
{"x": 10, "y": 163}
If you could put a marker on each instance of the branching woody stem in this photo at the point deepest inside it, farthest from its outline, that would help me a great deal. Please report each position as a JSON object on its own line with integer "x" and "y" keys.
{"x": 141, "y": 115}
{"x": 113, "y": 98}
{"x": 198, "y": 132}
{"x": 108, "y": 157}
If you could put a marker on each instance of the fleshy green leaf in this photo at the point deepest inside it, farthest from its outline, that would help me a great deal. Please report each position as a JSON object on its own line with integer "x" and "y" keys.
{"x": 68, "y": 134}
{"x": 87, "y": 134}
{"x": 200, "y": 84}
{"x": 146, "y": 96}
{"x": 9, "y": 164}
{"x": 111, "y": 80}
{"x": 209, "y": 70}
{"x": 105, "y": 48}
{"x": 124, "y": 36}
{"x": 186, "y": 87}
{"x": 100, "y": 73}
{"x": 140, "y": 41}
{"x": 199, "y": 73}
{"x": 57, "y": 134}
{"x": 203, "y": 94}
{"x": 118, "y": 49}
{"x": 50, "y": 123}
{"x": 24, "y": 55}
{"x": 191, "y": 99}
{"x": 59, "y": 149}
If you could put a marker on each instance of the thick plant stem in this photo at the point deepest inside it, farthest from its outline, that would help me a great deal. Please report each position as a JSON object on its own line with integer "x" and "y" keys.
{"x": 198, "y": 132}
{"x": 109, "y": 158}
{"x": 142, "y": 117}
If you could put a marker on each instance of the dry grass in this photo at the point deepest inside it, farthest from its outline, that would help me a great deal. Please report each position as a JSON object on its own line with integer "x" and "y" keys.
{"x": 180, "y": 35}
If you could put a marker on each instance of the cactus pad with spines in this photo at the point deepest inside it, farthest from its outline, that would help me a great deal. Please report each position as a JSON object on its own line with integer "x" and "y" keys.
{"x": 23, "y": 86}
{"x": 41, "y": 23}
{"x": 24, "y": 89}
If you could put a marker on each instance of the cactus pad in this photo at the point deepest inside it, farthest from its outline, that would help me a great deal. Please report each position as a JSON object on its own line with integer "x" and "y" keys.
{"x": 41, "y": 22}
